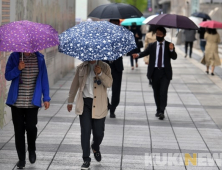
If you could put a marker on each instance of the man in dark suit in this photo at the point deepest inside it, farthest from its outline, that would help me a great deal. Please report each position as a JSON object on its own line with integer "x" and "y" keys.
{"x": 116, "y": 71}
{"x": 160, "y": 71}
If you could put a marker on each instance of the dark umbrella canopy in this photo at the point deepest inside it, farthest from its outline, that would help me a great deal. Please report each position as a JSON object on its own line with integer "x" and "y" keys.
{"x": 115, "y": 11}
{"x": 173, "y": 21}
{"x": 201, "y": 15}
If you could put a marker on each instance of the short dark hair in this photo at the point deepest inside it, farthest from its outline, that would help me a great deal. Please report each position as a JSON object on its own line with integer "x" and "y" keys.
{"x": 152, "y": 29}
{"x": 211, "y": 31}
{"x": 114, "y": 20}
{"x": 162, "y": 29}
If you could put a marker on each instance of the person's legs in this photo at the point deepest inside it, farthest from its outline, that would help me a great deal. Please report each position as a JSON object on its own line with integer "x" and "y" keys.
{"x": 98, "y": 127}
{"x": 86, "y": 127}
{"x": 131, "y": 61}
{"x": 191, "y": 48}
{"x": 19, "y": 128}
{"x": 207, "y": 69}
{"x": 186, "y": 46}
{"x": 136, "y": 59}
{"x": 212, "y": 70}
{"x": 202, "y": 45}
{"x": 164, "y": 85}
{"x": 156, "y": 88}
{"x": 116, "y": 89}
{"x": 31, "y": 119}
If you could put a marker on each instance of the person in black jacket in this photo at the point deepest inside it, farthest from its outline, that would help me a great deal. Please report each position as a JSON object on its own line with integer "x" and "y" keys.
{"x": 116, "y": 71}
{"x": 138, "y": 36}
{"x": 201, "y": 32}
{"x": 160, "y": 70}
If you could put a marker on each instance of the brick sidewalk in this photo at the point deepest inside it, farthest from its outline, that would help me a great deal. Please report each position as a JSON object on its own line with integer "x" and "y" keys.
{"x": 194, "y": 105}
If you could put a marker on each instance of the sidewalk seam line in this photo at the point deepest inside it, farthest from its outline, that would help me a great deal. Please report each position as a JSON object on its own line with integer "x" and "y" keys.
{"x": 148, "y": 123}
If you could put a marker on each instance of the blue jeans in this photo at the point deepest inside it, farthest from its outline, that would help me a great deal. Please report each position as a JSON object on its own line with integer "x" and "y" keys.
{"x": 202, "y": 45}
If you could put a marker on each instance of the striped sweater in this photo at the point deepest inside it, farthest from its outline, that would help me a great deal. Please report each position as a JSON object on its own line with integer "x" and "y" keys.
{"x": 27, "y": 83}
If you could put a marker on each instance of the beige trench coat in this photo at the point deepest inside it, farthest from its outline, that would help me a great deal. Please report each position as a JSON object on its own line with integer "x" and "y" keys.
{"x": 99, "y": 108}
{"x": 211, "y": 57}
{"x": 150, "y": 38}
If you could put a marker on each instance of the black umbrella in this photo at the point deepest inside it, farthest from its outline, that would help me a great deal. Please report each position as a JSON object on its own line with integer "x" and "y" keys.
{"x": 201, "y": 15}
{"x": 115, "y": 11}
{"x": 173, "y": 21}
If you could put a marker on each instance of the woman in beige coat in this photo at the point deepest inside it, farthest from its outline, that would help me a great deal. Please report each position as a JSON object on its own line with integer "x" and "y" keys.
{"x": 150, "y": 38}
{"x": 211, "y": 57}
{"x": 92, "y": 79}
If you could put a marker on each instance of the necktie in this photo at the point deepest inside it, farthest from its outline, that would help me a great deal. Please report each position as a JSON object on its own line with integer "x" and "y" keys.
{"x": 160, "y": 56}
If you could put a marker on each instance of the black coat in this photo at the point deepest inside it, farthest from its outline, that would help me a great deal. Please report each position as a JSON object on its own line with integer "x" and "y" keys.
{"x": 168, "y": 55}
{"x": 201, "y": 31}
{"x": 117, "y": 64}
{"x": 138, "y": 32}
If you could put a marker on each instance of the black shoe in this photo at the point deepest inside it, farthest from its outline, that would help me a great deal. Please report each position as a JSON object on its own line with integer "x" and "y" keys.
{"x": 212, "y": 74}
{"x": 207, "y": 72}
{"x": 157, "y": 114}
{"x": 32, "y": 157}
{"x": 97, "y": 155}
{"x": 161, "y": 117}
{"x": 20, "y": 164}
{"x": 85, "y": 165}
{"x": 185, "y": 56}
{"x": 190, "y": 57}
{"x": 112, "y": 115}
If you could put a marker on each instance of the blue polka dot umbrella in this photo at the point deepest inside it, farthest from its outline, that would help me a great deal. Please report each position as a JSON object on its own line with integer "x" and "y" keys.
{"x": 96, "y": 40}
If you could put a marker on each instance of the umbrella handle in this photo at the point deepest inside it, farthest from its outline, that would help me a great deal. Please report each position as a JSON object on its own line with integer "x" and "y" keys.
{"x": 22, "y": 56}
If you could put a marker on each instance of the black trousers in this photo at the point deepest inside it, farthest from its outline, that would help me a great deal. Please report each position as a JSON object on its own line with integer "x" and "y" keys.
{"x": 116, "y": 89}
{"x": 160, "y": 85}
{"x": 132, "y": 62}
{"x": 24, "y": 119}
{"x": 186, "y": 47}
{"x": 87, "y": 124}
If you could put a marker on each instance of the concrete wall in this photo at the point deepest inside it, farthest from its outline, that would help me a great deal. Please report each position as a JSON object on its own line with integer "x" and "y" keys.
{"x": 92, "y": 4}
{"x": 179, "y": 7}
{"x": 81, "y": 10}
{"x": 58, "y": 13}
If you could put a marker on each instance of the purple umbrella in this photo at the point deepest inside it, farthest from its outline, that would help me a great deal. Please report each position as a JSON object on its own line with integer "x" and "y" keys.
{"x": 27, "y": 36}
{"x": 173, "y": 21}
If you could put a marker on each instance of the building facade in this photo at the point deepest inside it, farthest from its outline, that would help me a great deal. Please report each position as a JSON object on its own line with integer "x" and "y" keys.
{"x": 92, "y": 4}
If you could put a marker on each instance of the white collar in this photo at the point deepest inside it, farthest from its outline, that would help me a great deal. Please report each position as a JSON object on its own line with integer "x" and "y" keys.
{"x": 163, "y": 43}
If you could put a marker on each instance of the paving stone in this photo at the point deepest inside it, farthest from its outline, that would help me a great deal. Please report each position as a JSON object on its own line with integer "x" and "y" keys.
{"x": 193, "y": 124}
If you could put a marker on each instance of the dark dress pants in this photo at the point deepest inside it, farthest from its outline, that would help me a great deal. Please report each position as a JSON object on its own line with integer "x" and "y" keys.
{"x": 202, "y": 45}
{"x": 186, "y": 47}
{"x": 24, "y": 119}
{"x": 87, "y": 124}
{"x": 116, "y": 88}
{"x": 132, "y": 62}
{"x": 160, "y": 85}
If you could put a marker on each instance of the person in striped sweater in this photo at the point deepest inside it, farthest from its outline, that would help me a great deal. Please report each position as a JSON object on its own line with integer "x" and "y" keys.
{"x": 29, "y": 81}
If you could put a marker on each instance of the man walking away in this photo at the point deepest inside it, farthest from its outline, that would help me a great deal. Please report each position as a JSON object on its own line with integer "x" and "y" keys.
{"x": 117, "y": 72}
